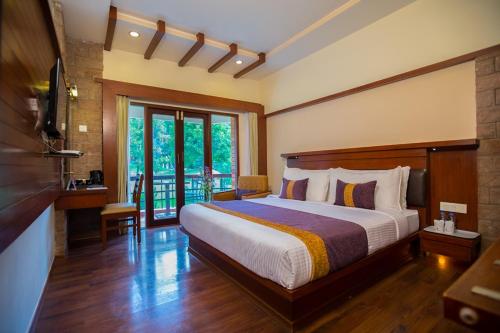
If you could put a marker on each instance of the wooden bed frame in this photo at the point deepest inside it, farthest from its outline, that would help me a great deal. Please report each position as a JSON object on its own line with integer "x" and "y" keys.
{"x": 299, "y": 306}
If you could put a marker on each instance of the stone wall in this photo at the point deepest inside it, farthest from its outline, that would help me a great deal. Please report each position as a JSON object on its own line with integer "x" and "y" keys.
{"x": 84, "y": 64}
{"x": 488, "y": 131}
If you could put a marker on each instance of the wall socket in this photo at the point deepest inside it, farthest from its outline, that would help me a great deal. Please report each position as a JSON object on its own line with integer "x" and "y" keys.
{"x": 82, "y": 128}
{"x": 453, "y": 207}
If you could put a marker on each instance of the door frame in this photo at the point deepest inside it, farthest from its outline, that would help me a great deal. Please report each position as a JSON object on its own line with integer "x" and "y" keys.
{"x": 207, "y": 152}
{"x": 179, "y": 146}
{"x": 148, "y": 166}
{"x": 144, "y": 94}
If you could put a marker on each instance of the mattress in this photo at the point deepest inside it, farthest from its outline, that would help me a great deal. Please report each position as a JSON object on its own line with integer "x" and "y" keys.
{"x": 281, "y": 257}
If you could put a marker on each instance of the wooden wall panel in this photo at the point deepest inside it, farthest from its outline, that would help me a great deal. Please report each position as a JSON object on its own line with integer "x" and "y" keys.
{"x": 29, "y": 183}
{"x": 451, "y": 167}
{"x": 378, "y": 159}
{"x": 453, "y": 178}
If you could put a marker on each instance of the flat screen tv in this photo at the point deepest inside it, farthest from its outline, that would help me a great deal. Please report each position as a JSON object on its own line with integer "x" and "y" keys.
{"x": 50, "y": 119}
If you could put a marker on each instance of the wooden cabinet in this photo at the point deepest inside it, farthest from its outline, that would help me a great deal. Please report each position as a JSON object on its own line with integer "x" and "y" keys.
{"x": 464, "y": 301}
{"x": 453, "y": 178}
{"x": 82, "y": 208}
{"x": 451, "y": 246}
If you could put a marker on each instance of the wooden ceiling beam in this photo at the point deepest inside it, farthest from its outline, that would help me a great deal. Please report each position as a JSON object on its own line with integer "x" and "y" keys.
{"x": 110, "y": 32}
{"x": 192, "y": 51}
{"x": 233, "y": 50}
{"x": 160, "y": 31}
{"x": 262, "y": 59}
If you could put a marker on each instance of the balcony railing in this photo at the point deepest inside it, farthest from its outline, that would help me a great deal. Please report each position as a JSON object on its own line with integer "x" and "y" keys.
{"x": 164, "y": 192}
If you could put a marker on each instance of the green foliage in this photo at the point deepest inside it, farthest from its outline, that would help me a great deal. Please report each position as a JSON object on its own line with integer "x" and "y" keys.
{"x": 221, "y": 147}
{"x": 164, "y": 146}
{"x": 136, "y": 145}
{"x": 193, "y": 147}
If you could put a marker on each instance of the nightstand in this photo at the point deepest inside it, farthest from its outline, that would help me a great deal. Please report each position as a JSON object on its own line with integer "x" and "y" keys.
{"x": 464, "y": 245}
{"x": 469, "y": 301}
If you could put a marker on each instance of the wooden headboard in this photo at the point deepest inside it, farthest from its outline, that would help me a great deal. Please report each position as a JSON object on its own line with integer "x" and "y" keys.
{"x": 451, "y": 166}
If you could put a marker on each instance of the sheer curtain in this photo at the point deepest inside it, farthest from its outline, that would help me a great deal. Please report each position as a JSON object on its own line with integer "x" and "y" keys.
{"x": 253, "y": 143}
{"x": 122, "y": 103}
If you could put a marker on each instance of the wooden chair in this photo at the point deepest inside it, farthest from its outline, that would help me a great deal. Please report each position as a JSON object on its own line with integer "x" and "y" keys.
{"x": 124, "y": 212}
{"x": 259, "y": 184}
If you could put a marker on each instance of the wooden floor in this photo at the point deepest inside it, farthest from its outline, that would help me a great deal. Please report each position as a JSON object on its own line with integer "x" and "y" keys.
{"x": 159, "y": 287}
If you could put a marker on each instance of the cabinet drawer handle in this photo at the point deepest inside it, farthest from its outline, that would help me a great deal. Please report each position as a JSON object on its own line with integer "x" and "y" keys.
{"x": 469, "y": 316}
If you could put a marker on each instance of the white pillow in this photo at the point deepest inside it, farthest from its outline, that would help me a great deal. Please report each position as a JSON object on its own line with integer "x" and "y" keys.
{"x": 334, "y": 175}
{"x": 317, "y": 186}
{"x": 387, "y": 191}
{"x": 404, "y": 185}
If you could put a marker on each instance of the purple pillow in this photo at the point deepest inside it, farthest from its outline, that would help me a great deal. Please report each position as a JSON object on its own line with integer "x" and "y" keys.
{"x": 294, "y": 189}
{"x": 356, "y": 195}
{"x": 241, "y": 192}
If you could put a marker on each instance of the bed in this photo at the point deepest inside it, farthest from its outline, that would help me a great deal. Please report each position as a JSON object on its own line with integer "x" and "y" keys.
{"x": 281, "y": 257}
{"x": 275, "y": 267}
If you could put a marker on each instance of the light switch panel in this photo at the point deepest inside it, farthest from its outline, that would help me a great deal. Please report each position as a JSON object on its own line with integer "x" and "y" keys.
{"x": 453, "y": 207}
{"x": 33, "y": 104}
{"x": 63, "y": 126}
{"x": 82, "y": 128}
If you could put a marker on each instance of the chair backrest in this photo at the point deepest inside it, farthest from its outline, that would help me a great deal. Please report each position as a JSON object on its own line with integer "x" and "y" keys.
{"x": 136, "y": 196}
{"x": 255, "y": 183}
{"x": 136, "y": 185}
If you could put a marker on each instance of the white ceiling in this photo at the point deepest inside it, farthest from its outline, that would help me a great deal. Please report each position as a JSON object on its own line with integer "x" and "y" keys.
{"x": 255, "y": 25}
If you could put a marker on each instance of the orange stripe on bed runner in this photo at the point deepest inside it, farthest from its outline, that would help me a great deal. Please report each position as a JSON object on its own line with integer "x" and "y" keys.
{"x": 315, "y": 245}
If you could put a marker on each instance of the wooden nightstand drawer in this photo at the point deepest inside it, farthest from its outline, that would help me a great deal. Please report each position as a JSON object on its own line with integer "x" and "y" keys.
{"x": 450, "y": 250}
{"x": 458, "y": 248}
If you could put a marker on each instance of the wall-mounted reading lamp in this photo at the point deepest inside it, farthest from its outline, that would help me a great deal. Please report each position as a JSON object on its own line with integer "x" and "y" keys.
{"x": 73, "y": 91}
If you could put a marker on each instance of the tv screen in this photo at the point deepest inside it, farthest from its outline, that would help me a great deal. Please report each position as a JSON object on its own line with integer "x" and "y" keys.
{"x": 56, "y": 80}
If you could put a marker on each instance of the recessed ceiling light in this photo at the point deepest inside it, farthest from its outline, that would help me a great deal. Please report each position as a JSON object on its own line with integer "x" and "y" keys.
{"x": 239, "y": 62}
{"x": 134, "y": 34}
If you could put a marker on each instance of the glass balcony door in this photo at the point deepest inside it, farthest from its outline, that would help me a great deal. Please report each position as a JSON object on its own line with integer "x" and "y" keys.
{"x": 178, "y": 146}
{"x": 176, "y": 156}
{"x": 195, "y": 155}
{"x": 136, "y": 153}
{"x": 162, "y": 167}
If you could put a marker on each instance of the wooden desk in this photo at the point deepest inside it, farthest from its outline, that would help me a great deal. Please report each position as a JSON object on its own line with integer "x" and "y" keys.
{"x": 80, "y": 199}
{"x": 82, "y": 215}
{"x": 476, "y": 311}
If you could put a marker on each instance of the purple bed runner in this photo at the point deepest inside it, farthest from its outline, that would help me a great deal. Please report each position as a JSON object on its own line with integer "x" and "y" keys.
{"x": 345, "y": 242}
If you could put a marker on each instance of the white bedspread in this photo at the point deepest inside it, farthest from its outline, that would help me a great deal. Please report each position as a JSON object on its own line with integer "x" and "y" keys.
{"x": 278, "y": 256}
